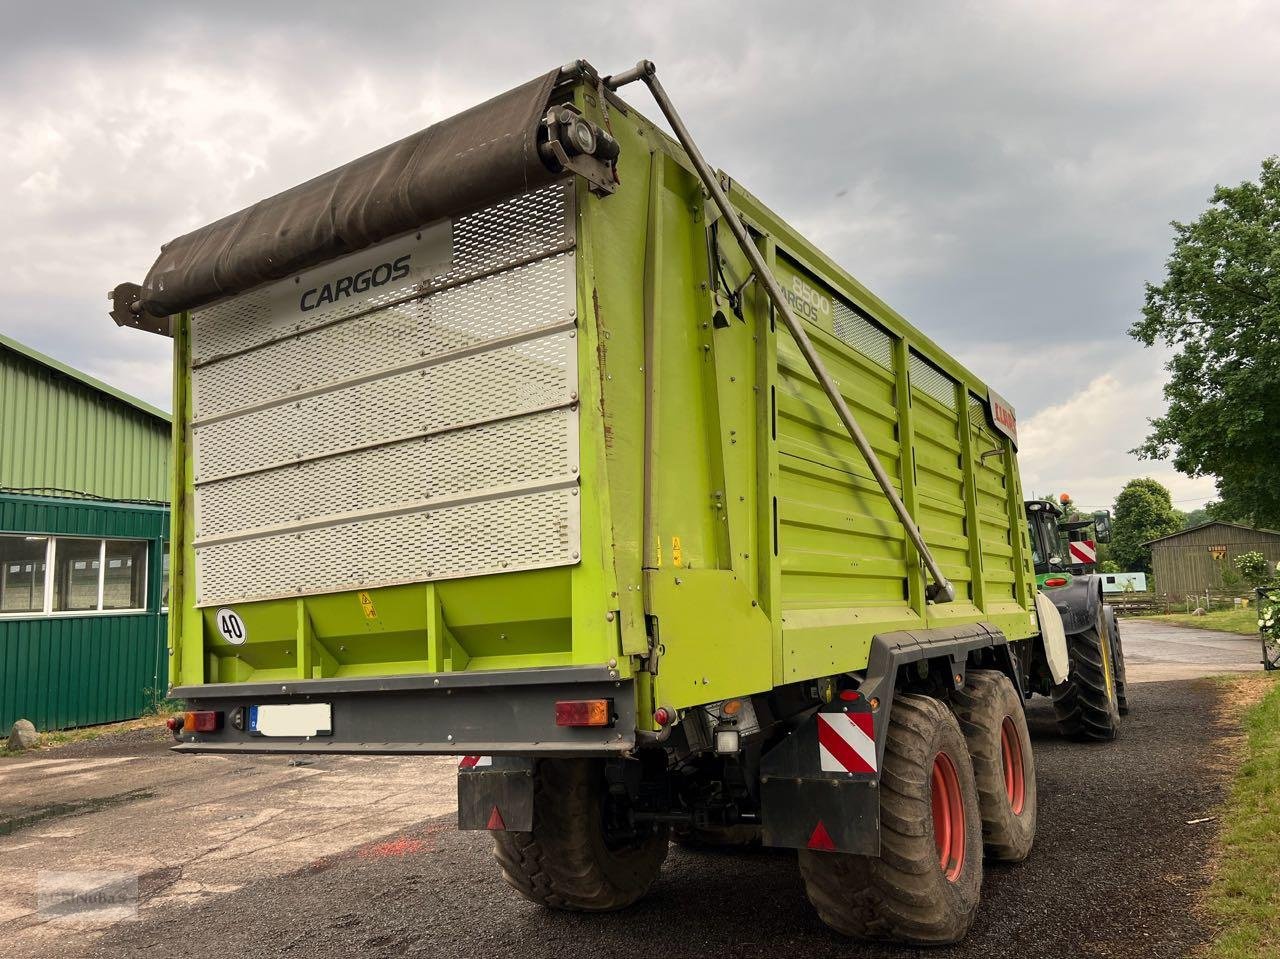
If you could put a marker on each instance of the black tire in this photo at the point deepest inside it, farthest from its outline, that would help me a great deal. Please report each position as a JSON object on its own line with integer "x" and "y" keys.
{"x": 995, "y": 727}
{"x": 1085, "y": 703}
{"x": 741, "y": 836}
{"x": 567, "y": 862}
{"x": 903, "y": 895}
{"x": 1117, "y": 660}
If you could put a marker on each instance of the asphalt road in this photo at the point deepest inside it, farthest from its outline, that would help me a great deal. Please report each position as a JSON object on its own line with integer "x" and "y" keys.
{"x": 254, "y": 857}
{"x": 1157, "y": 651}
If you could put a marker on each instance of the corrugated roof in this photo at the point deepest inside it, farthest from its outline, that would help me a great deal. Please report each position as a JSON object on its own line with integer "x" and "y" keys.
{"x": 1212, "y": 522}
{"x": 72, "y": 373}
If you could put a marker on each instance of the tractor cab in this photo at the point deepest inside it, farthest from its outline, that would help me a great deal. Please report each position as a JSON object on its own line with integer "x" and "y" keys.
{"x": 1046, "y": 543}
{"x": 1063, "y": 548}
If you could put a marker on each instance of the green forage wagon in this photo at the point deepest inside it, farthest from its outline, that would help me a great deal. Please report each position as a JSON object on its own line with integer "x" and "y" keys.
{"x": 531, "y": 439}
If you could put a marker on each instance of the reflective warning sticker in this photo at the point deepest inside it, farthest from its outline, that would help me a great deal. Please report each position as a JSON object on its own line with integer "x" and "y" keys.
{"x": 472, "y": 762}
{"x": 821, "y": 839}
{"x": 846, "y": 742}
{"x": 1083, "y": 551}
{"x": 366, "y": 604}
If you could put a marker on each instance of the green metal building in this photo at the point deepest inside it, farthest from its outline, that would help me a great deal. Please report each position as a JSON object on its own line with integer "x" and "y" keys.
{"x": 84, "y": 526}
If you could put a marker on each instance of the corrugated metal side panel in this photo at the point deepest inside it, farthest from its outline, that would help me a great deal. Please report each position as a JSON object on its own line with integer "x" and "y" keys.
{"x": 82, "y": 671}
{"x": 56, "y": 433}
{"x": 61, "y": 672}
{"x": 47, "y": 514}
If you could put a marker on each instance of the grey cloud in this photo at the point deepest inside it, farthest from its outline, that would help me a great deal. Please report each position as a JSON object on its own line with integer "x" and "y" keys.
{"x": 1003, "y": 174}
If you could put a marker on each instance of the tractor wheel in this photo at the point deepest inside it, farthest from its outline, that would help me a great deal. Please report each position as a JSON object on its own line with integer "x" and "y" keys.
{"x": 1085, "y": 703}
{"x": 569, "y": 860}
{"x": 1117, "y": 660}
{"x": 741, "y": 836}
{"x": 994, "y": 725}
{"x": 923, "y": 888}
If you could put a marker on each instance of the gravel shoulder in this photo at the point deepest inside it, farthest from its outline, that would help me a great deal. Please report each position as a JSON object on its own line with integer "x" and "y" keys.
{"x": 1117, "y": 872}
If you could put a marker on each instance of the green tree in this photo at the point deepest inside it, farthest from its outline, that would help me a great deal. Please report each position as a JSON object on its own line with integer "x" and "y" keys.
{"x": 1227, "y": 512}
{"x": 1197, "y": 517}
{"x": 1219, "y": 308}
{"x": 1143, "y": 511}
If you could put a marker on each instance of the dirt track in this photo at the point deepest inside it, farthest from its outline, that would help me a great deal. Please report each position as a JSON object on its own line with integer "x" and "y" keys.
{"x": 1115, "y": 873}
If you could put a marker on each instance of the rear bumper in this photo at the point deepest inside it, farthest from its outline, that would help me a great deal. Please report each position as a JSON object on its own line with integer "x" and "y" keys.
{"x": 494, "y": 712}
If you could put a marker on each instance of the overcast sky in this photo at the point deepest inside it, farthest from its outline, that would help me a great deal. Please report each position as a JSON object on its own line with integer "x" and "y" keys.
{"x": 1003, "y": 174}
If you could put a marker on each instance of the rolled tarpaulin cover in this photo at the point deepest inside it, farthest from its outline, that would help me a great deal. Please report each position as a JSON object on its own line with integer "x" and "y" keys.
{"x": 468, "y": 161}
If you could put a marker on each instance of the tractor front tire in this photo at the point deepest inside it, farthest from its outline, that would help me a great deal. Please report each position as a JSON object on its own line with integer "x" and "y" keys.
{"x": 994, "y": 725}
{"x": 924, "y": 887}
{"x": 568, "y": 861}
{"x": 1117, "y": 660}
{"x": 1086, "y": 704}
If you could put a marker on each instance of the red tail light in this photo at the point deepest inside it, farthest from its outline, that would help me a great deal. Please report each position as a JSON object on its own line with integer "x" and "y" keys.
{"x": 584, "y": 712}
{"x": 201, "y": 722}
{"x": 1055, "y": 581}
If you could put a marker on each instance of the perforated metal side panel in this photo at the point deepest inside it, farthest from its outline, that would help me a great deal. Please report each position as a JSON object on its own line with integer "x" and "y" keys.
{"x": 863, "y": 335}
{"x": 977, "y": 412}
{"x": 931, "y": 381}
{"x": 428, "y": 432}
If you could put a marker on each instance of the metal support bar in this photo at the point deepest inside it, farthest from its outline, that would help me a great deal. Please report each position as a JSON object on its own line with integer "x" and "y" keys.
{"x": 941, "y": 591}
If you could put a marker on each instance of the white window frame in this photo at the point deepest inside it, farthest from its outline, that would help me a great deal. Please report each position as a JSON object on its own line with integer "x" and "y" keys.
{"x": 50, "y": 556}
{"x": 48, "y": 546}
{"x": 165, "y": 551}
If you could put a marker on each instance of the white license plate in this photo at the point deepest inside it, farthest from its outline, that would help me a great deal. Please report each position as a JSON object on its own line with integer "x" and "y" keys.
{"x": 291, "y": 719}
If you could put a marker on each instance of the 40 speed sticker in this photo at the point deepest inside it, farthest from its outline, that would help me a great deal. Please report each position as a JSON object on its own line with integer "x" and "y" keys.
{"x": 231, "y": 627}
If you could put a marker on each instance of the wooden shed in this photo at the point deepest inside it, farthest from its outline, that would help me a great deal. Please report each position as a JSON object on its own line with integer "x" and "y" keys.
{"x": 1192, "y": 560}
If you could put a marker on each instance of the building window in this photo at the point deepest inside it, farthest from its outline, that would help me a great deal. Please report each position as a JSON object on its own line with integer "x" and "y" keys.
{"x": 124, "y": 574}
{"x": 51, "y": 575}
{"x": 22, "y": 573}
{"x": 77, "y": 568}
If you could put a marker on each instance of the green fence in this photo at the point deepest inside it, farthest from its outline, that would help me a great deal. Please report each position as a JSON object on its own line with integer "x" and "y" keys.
{"x": 67, "y": 657}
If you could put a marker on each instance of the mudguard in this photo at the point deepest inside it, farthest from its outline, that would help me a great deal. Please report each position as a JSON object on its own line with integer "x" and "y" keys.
{"x": 1078, "y": 603}
{"x": 495, "y": 793}
{"x": 819, "y": 786}
{"x": 1053, "y": 637}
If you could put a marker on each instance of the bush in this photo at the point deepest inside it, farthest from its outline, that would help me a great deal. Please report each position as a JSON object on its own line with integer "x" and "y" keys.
{"x": 1254, "y": 568}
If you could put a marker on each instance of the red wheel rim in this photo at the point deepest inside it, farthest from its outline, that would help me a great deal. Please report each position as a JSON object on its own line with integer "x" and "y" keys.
{"x": 948, "y": 816}
{"x": 1015, "y": 783}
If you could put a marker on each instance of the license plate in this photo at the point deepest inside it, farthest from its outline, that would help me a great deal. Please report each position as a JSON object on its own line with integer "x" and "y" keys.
{"x": 291, "y": 719}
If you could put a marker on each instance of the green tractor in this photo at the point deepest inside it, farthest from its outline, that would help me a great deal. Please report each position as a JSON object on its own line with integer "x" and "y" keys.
{"x": 1090, "y": 702}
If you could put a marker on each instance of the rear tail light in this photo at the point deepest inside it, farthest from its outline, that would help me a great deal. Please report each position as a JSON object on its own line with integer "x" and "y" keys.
{"x": 201, "y": 722}
{"x": 174, "y": 723}
{"x": 1055, "y": 581}
{"x": 584, "y": 712}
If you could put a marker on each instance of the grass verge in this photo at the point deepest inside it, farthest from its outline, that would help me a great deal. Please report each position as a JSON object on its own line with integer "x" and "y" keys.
{"x": 1242, "y": 621}
{"x": 1244, "y": 898}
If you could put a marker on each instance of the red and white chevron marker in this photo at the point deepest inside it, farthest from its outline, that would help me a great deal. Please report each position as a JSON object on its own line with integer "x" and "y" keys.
{"x": 846, "y": 742}
{"x": 1083, "y": 551}
{"x": 471, "y": 762}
